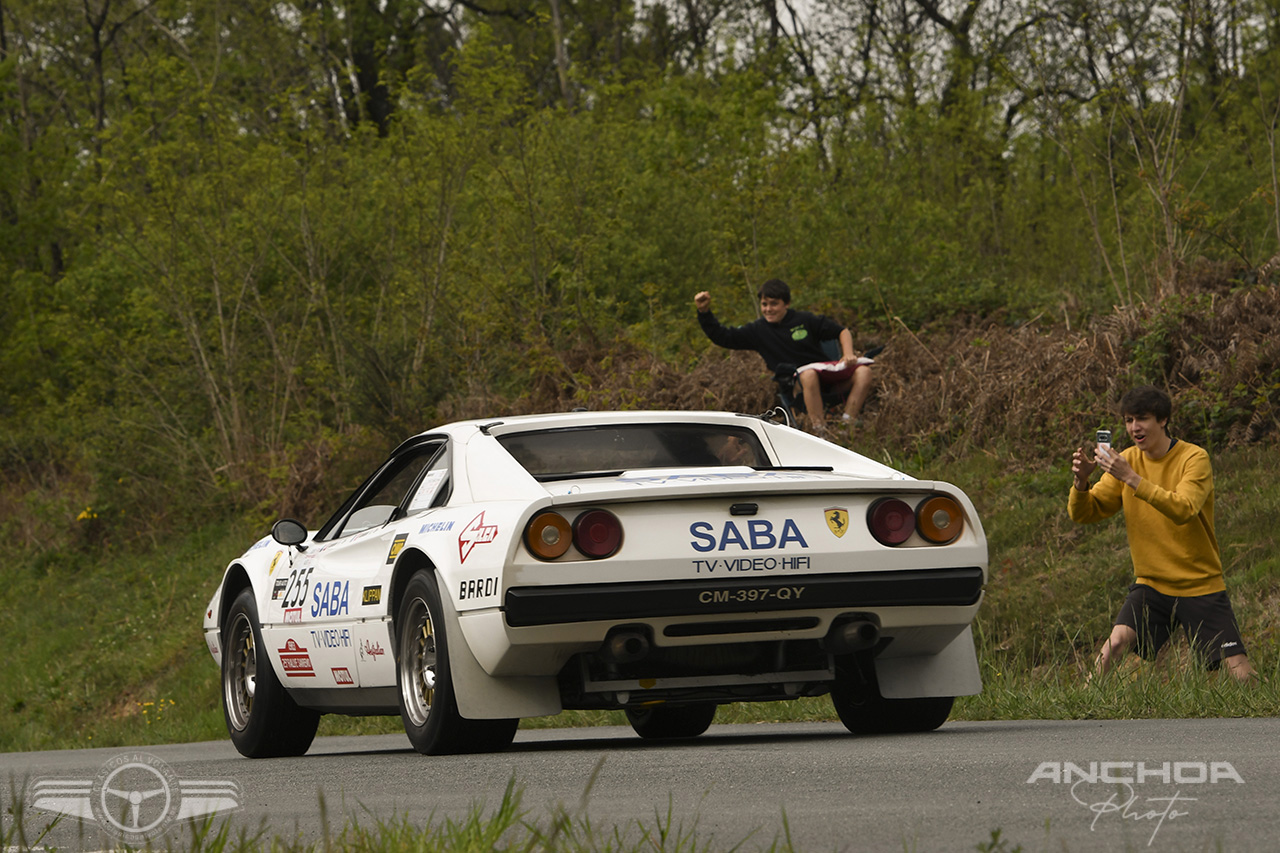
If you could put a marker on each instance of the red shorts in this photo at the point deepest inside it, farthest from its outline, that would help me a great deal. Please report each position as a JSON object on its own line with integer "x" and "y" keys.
{"x": 834, "y": 372}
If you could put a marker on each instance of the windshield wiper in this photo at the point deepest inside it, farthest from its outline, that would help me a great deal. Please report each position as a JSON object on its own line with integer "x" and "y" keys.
{"x": 594, "y": 475}
{"x": 576, "y": 475}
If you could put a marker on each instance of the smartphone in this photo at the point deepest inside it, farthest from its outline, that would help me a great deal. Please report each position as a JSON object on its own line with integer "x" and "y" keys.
{"x": 1103, "y": 440}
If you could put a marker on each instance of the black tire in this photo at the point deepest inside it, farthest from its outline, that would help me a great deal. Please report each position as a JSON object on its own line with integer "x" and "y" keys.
{"x": 428, "y": 706}
{"x": 262, "y": 719}
{"x": 857, "y": 700}
{"x": 659, "y": 722}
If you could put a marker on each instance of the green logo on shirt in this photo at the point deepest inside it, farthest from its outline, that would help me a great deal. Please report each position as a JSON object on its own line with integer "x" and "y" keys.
{"x": 799, "y": 333}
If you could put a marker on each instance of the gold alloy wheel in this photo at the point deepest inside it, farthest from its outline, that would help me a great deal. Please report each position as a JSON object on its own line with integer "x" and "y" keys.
{"x": 241, "y": 676}
{"x": 418, "y": 664}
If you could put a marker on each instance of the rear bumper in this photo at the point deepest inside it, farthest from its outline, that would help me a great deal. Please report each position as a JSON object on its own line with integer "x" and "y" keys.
{"x": 556, "y": 605}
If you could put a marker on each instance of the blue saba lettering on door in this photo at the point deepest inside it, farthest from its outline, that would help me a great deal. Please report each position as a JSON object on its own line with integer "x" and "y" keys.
{"x": 760, "y": 535}
{"x": 330, "y": 598}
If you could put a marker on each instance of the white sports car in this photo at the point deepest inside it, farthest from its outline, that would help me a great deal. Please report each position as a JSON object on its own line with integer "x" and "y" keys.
{"x": 661, "y": 563}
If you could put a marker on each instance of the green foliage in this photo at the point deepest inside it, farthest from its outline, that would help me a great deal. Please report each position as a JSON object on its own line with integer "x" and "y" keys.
{"x": 225, "y": 251}
{"x": 109, "y": 652}
{"x": 243, "y": 252}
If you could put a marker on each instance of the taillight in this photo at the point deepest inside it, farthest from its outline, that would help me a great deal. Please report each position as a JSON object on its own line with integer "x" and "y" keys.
{"x": 548, "y": 535}
{"x": 939, "y": 519}
{"x": 891, "y": 521}
{"x": 597, "y": 533}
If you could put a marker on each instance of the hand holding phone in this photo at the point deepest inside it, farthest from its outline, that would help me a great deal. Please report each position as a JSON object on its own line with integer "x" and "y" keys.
{"x": 1103, "y": 440}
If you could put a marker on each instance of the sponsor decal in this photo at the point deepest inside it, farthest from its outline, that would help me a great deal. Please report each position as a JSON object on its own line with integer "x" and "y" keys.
{"x": 330, "y": 598}
{"x": 295, "y": 661}
{"x": 837, "y": 520}
{"x": 371, "y": 649}
{"x": 275, "y": 561}
{"x": 341, "y": 675}
{"x": 211, "y": 640}
{"x": 295, "y": 591}
{"x": 293, "y": 616}
{"x": 332, "y": 638}
{"x": 1136, "y": 790}
{"x": 436, "y": 527}
{"x": 760, "y": 535}
{"x": 475, "y": 533}
{"x": 371, "y": 595}
{"x": 396, "y": 545}
{"x": 753, "y": 564}
{"x": 277, "y": 589}
{"x": 261, "y": 543}
{"x": 135, "y": 797}
{"x": 477, "y": 588}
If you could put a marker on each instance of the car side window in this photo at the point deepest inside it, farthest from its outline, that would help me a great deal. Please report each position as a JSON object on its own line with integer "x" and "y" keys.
{"x": 380, "y": 501}
{"x": 433, "y": 489}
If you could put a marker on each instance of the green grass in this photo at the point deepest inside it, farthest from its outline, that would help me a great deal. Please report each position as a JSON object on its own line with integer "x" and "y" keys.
{"x": 506, "y": 828}
{"x": 104, "y": 647}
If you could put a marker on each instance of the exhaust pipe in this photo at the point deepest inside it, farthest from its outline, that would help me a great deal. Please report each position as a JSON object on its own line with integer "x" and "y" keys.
{"x": 854, "y": 636}
{"x": 625, "y": 646}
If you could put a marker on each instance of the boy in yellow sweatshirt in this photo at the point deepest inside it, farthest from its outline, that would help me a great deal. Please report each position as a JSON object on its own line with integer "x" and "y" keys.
{"x": 1165, "y": 487}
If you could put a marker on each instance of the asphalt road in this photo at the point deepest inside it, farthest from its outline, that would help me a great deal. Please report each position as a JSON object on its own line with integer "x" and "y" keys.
{"x": 1195, "y": 785}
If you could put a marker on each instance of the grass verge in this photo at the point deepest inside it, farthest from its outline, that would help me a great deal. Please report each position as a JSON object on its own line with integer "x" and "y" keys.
{"x": 104, "y": 648}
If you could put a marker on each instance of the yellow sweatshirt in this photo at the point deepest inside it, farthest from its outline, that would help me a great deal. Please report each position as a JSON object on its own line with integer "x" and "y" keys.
{"x": 1169, "y": 518}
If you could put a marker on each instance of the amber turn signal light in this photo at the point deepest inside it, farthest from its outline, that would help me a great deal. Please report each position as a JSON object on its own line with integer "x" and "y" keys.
{"x": 548, "y": 535}
{"x": 939, "y": 519}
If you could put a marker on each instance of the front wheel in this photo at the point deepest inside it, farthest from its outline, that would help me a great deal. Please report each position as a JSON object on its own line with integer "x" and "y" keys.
{"x": 857, "y": 700}
{"x": 262, "y": 719}
{"x": 428, "y": 706}
{"x": 655, "y": 722}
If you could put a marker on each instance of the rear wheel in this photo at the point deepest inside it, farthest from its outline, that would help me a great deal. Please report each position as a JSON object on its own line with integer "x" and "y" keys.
{"x": 857, "y": 700}
{"x": 428, "y": 706}
{"x": 666, "y": 721}
{"x": 262, "y": 719}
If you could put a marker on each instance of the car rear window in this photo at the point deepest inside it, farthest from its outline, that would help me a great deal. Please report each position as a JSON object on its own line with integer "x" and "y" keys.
{"x": 601, "y": 450}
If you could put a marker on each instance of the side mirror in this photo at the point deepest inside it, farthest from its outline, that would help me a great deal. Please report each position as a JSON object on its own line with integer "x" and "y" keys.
{"x": 286, "y": 531}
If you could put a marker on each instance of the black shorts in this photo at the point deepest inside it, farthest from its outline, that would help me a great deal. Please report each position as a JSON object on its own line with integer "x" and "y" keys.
{"x": 1208, "y": 620}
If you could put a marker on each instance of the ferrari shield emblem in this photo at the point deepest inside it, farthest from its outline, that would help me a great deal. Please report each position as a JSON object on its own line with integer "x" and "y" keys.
{"x": 837, "y": 520}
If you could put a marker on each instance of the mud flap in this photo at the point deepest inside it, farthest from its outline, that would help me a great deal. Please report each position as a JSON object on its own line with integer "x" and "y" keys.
{"x": 481, "y": 696}
{"x": 951, "y": 672}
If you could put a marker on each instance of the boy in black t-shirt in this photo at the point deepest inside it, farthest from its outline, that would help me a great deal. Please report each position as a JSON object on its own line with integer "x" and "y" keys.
{"x": 786, "y": 336}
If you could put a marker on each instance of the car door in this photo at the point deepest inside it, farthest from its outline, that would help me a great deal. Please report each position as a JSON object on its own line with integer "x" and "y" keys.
{"x": 349, "y": 607}
{"x": 332, "y": 608}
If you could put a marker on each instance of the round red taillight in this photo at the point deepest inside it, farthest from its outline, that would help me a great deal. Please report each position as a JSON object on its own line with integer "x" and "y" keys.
{"x": 939, "y": 519}
{"x": 891, "y": 521}
{"x": 597, "y": 533}
{"x": 548, "y": 535}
